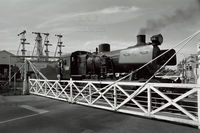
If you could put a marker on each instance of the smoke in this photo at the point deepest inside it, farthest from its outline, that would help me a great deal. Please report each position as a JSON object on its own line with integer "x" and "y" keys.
{"x": 179, "y": 16}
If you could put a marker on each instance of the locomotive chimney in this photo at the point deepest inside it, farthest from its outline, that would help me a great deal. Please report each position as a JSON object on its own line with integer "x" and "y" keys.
{"x": 105, "y": 47}
{"x": 141, "y": 39}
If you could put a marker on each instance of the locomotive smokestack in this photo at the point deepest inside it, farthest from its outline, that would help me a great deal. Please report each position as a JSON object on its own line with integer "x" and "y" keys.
{"x": 141, "y": 39}
{"x": 105, "y": 47}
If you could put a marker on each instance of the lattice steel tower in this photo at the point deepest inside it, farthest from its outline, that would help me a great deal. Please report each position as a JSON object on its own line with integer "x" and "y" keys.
{"x": 59, "y": 45}
{"x": 22, "y": 43}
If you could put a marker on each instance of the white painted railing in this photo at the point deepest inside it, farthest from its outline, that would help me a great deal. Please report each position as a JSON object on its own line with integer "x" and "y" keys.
{"x": 172, "y": 102}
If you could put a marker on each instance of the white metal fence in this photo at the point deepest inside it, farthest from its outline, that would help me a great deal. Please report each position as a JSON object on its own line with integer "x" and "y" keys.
{"x": 172, "y": 102}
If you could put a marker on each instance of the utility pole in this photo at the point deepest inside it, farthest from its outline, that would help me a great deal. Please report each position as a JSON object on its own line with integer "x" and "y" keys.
{"x": 59, "y": 45}
{"x": 46, "y": 44}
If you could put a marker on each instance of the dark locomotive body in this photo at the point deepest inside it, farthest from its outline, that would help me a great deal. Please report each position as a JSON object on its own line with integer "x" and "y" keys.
{"x": 104, "y": 64}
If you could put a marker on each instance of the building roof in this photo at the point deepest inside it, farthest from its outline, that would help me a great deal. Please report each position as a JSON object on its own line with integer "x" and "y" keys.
{"x": 11, "y": 54}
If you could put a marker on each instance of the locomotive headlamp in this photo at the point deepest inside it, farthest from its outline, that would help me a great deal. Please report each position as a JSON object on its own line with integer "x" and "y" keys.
{"x": 157, "y": 39}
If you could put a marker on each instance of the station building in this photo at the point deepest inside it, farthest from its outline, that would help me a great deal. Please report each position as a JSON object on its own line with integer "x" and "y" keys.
{"x": 6, "y": 59}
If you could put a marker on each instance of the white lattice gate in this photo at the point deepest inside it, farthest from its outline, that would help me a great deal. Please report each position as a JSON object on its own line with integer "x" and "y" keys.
{"x": 172, "y": 102}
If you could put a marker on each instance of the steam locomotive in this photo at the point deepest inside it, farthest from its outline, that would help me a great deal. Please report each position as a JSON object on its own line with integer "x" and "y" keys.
{"x": 104, "y": 64}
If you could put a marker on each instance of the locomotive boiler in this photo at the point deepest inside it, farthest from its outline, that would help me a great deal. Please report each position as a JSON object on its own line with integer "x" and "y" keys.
{"x": 105, "y": 63}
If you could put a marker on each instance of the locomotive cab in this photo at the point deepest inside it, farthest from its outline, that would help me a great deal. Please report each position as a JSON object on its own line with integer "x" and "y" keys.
{"x": 78, "y": 63}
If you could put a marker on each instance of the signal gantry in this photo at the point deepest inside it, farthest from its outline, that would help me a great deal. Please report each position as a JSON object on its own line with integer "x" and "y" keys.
{"x": 46, "y": 44}
{"x": 22, "y": 43}
{"x": 59, "y": 45}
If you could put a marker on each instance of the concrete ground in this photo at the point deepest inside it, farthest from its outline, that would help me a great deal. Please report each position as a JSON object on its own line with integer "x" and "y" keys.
{"x": 34, "y": 114}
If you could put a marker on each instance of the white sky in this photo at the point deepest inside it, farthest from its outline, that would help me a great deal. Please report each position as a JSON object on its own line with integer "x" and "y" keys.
{"x": 87, "y": 23}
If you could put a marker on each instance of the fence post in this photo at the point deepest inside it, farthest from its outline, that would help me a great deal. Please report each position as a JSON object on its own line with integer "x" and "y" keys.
{"x": 115, "y": 97}
{"x": 9, "y": 80}
{"x": 198, "y": 81}
{"x": 45, "y": 88}
{"x": 25, "y": 87}
{"x": 15, "y": 83}
{"x": 71, "y": 91}
{"x": 198, "y": 96}
{"x": 56, "y": 92}
{"x": 90, "y": 92}
{"x": 149, "y": 100}
{"x": 198, "y": 102}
